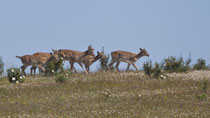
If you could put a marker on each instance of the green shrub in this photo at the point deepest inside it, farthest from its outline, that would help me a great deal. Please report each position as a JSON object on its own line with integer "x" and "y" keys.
{"x": 147, "y": 67}
{"x": 104, "y": 63}
{"x": 61, "y": 78}
{"x": 155, "y": 71}
{"x": 200, "y": 65}
{"x": 54, "y": 67}
{"x": 15, "y": 75}
{"x": 173, "y": 64}
{"x": 1, "y": 66}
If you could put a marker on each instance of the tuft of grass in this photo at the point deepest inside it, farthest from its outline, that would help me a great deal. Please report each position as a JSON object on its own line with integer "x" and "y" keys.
{"x": 61, "y": 78}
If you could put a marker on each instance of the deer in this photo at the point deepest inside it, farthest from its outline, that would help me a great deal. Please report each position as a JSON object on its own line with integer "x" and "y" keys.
{"x": 45, "y": 56}
{"x": 36, "y": 61}
{"x": 88, "y": 60}
{"x": 75, "y": 56}
{"x": 128, "y": 57}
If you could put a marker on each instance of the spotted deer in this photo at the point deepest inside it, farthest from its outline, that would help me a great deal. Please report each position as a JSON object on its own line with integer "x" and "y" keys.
{"x": 128, "y": 57}
{"x": 75, "y": 56}
{"x": 45, "y": 56}
{"x": 36, "y": 61}
{"x": 88, "y": 60}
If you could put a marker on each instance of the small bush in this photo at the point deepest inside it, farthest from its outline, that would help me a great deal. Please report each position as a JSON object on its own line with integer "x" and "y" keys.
{"x": 15, "y": 75}
{"x": 173, "y": 64}
{"x": 155, "y": 71}
{"x": 1, "y": 66}
{"x": 54, "y": 68}
{"x": 61, "y": 78}
{"x": 147, "y": 66}
{"x": 104, "y": 64}
{"x": 200, "y": 65}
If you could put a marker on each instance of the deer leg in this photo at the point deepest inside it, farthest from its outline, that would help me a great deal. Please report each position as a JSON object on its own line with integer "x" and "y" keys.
{"x": 72, "y": 67}
{"x": 42, "y": 68}
{"x": 34, "y": 70}
{"x": 87, "y": 68}
{"x": 113, "y": 61}
{"x": 134, "y": 66}
{"x": 117, "y": 66}
{"x": 40, "y": 71}
{"x": 31, "y": 70}
{"x": 83, "y": 68}
{"x": 128, "y": 66}
{"x": 23, "y": 69}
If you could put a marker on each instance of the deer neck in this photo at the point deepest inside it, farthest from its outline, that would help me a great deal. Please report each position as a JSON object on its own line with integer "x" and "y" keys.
{"x": 139, "y": 55}
{"x": 83, "y": 54}
{"x": 96, "y": 58}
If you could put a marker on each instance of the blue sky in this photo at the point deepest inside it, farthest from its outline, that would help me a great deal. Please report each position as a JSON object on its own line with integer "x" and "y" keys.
{"x": 164, "y": 27}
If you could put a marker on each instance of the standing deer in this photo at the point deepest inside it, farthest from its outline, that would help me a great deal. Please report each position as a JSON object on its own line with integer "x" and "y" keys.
{"x": 75, "y": 56}
{"x": 88, "y": 60}
{"x": 45, "y": 56}
{"x": 36, "y": 61}
{"x": 128, "y": 57}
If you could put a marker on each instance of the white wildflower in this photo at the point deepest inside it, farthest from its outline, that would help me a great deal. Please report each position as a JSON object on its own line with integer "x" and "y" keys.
{"x": 53, "y": 71}
{"x": 162, "y": 76}
{"x": 13, "y": 78}
{"x": 17, "y": 82}
{"x": 21, "y": 77}
{"x": 12, "y": 70}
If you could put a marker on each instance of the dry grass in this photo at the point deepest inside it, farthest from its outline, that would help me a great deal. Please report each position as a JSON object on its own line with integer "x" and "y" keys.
{"x": 123, "y": 94}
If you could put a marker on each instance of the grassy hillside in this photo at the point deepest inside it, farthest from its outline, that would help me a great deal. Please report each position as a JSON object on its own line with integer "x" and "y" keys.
{"x": 123, "y": 94}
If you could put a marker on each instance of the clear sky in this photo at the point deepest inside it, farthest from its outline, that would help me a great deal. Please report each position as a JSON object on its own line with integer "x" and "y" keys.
{"x": 164, "y": 27}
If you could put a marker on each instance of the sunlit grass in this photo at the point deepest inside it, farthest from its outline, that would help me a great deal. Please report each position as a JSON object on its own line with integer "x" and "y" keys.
{"x": 123, "y": 94}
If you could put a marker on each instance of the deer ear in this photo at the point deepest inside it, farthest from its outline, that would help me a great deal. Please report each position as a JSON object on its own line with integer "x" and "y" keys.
{"x": 98, "y": 52}
{"x": 140, "y": 49}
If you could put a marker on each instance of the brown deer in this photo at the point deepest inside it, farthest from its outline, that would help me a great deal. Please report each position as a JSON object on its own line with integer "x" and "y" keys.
{"x": 128, "y": 57}
{"x": 88, "y": 60}
{"x": 75, "y": 56}
{"x": 45, "y": 56}
{"x": 36, "y": 61}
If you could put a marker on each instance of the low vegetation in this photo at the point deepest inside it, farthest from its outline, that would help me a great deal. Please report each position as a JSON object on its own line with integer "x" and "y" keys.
{"x": 108, "y": 94}
{"x": 15, "y": 75}
{"x": 200, "y": 64}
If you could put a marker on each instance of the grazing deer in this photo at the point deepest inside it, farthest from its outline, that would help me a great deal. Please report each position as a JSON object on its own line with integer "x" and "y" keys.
{"x": 88, "y": 60}
{"x": 36, "y": 61}
{"x": 128, "y": 57}
{"x": 75, "y": 56}
{"x": 44, "y": 56}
